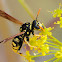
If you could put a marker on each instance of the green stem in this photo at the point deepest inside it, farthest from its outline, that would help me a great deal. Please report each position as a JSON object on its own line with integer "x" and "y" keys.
{"x": 53, "y": 46}
{"x": 50, "y": 59}
{"x": 53, "y": 50}
{"x": 55, "y": 40}
{"x": 41, "y": 55}
{"x": 56, "y": 60}
{"x": 52, "y": 43}
{"x": 26, "y": 7}
{"x": 60, "y": 60}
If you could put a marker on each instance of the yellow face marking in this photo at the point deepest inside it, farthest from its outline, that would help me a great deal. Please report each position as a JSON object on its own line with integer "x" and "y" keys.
{"x": 13, "y": 43}
{"x": 16, "y": 39}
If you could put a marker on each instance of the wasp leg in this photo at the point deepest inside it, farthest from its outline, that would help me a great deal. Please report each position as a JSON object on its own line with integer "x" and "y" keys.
{"x": 31, "y": 45}
{"x": 37, "y": 35}
{"x": 33, "y": 32}
{"x": 27, "y": 39}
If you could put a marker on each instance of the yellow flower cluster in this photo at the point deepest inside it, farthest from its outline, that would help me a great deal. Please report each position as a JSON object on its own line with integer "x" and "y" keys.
{"x": 44, "y": 49}
{"x": 47, "y": 31}
{"x": 58, "y": 13}
{"x": 39, "y": 43}
{"x": 58, "y": 54}
{"x": 28, "y": 57}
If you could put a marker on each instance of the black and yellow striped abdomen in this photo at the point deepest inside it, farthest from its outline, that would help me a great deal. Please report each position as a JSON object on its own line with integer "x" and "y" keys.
{"x": 17, "y": 42}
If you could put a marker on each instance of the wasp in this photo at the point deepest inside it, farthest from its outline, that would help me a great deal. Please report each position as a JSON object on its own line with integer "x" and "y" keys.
{"x": 25, "y": 30}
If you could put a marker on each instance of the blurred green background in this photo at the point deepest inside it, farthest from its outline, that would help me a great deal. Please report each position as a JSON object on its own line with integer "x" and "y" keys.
{"x": 15, "y": 9}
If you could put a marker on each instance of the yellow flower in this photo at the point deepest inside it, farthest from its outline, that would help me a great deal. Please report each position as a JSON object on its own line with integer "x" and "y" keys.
{"x": 38, "y": 41}
{"x": 44, "y": 49}
{"x": 58, "y": 54}
{"x": 59, "y": 22}
{"x": 57, "y": 13}
{"x": 47, "y": 31}
{"x": 28, "y": 57}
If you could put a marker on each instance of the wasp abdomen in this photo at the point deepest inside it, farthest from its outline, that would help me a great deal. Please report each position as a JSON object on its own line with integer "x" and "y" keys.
{"x": 17, "y": 42}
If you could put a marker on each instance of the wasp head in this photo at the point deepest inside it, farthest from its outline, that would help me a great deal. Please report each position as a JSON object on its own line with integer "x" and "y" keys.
{"x": 37, "y": 25}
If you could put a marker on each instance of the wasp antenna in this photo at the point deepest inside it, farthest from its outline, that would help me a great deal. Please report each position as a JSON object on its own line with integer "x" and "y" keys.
{"x": 38, "y": 13}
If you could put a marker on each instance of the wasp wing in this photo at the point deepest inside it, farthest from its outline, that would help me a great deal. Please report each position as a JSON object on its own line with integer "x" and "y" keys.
{"x": 5, "y": 40}
{"x": 7, "y": 16}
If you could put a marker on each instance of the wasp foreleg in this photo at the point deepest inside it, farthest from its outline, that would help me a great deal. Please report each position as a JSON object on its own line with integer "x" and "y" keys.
{"x": 31, "y": 45}
{"x": 27, "y": 38}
